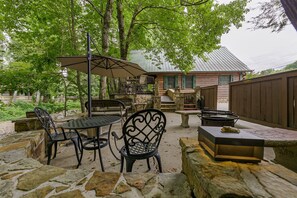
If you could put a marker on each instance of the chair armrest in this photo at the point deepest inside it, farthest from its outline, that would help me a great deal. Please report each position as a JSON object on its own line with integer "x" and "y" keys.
{"x": 115, "y": 135}
{"x": 116, "y": 138}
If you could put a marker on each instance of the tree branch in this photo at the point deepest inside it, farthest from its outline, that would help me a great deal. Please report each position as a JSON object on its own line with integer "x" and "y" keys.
{"x": 95, "y": 8}
{"x": 186, "y": 3}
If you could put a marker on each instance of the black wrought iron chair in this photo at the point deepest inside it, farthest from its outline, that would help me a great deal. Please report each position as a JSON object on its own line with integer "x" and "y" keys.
{"x": 57, "y": 136}
{"x": 142, "y": 133}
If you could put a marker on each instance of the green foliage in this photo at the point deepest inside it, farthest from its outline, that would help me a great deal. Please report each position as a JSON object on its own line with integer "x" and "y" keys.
{"x": 271, "y": 71}
{"x": 42, "y": 30}
{"x": 15, "y": 110}
{"x": 18, "y": 109}
{"x": 291, "y": 66}
{"x": 22, "y": 77}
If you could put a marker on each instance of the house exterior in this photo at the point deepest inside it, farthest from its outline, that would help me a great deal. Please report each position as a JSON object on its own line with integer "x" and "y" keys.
{"x": 221, "y": 68}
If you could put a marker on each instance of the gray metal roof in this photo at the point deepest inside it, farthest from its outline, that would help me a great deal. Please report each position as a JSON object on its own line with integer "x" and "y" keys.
{"x": 220, "y": 60}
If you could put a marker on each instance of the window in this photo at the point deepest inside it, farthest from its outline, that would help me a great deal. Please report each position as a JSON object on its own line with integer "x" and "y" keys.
{"x": 189, "y": 82}
{"x": 225, "y": 79}
{"x": 170, "y": 82}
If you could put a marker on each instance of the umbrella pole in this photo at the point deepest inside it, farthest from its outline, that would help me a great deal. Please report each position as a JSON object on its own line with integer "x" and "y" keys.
{"x": 89, "y": 74}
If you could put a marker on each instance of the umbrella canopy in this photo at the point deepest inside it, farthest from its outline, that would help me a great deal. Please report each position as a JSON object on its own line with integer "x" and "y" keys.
{"x": 102, "y": 65}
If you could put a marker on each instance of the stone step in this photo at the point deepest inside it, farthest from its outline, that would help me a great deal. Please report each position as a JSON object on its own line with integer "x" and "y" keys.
{"x": 167, "y": 109}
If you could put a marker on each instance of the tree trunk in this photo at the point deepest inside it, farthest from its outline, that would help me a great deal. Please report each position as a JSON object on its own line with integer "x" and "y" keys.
{"x": 13, "y": 98}
{"x": 74, "y": 45}
{"x": 105, "y": 42}
{"x": 121, "y": 26}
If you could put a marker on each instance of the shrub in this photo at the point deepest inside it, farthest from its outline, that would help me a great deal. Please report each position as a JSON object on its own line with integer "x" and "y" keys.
{"x": 18, "y": 109}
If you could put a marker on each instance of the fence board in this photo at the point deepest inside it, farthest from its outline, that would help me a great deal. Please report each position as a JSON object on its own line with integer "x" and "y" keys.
{"x": 256, "y": 105}
{"x": 267, "y": 100}
{"x": 210, "y": 95}
{"x": 276, "y": 107}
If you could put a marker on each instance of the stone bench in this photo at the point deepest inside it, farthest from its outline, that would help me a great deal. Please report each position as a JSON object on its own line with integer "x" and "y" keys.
{"x": 185, "y": 116}
{"x": 283, "y": 142}
{"x": 209, "y": 178}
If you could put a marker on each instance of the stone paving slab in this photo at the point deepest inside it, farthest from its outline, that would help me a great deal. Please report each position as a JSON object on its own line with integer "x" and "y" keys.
{"x": 276, "y": 137}
{"x": 50, "y": 181}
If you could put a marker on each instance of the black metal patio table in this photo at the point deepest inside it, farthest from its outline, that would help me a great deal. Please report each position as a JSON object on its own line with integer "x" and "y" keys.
{"x": 94, "y": 122}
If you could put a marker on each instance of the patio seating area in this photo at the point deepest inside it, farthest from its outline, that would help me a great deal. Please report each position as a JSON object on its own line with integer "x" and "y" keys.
{"x": 178, "y": 151}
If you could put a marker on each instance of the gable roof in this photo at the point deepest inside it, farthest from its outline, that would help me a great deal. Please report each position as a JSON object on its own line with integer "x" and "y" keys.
{"x": 220, "y": 60}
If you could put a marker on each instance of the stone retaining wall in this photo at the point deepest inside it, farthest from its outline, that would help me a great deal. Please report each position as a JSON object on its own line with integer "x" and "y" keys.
{"x": 21, "y": 145}
{"x": 209, "y": 178}
{"x": 22, "y": 176}
{"x": 27, "y": 124}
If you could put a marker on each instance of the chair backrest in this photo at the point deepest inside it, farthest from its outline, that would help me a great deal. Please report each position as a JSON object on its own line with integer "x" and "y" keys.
{"x": 146, "y": 127}
{"x": 46, "y": 121}
{"x": 106, "y": 105}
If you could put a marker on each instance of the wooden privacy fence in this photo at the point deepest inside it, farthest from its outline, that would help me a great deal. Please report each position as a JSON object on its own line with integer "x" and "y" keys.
{"x": 210, "y": 95}
{"x": 268, "y": 100}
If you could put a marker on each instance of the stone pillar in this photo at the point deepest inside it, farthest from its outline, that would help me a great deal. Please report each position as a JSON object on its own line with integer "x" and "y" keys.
{"x": 157, "y": 102}
{"x": 197, "y": 92}
{"x": 179, "y": 101}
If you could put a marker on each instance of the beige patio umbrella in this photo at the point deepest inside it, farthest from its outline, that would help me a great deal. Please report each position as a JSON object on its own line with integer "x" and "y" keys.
{"x": 102, "y": 65}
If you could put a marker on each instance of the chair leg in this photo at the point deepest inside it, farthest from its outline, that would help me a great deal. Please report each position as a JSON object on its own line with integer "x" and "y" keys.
{"x": 129, "y": 164}
{"x": 81, "y": 156}
{"x": 94, "y": 149}
{"x": 100, "y": 157}
{"x": 148, "y": 164}
{"x": 49, "y": 152}
{"x": 56, "y": 148}
{"x": 157, "y": 156}
{"x": 75, "y": 144}
{"x": 122, "y": 163}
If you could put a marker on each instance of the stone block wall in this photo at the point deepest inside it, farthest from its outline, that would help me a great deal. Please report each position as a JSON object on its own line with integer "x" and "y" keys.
{"x": 209, "y": 178}
{"x": 26, "y": 144}
{"x": 27, "y": 124}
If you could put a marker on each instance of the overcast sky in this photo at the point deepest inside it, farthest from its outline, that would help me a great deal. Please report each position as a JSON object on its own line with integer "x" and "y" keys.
{"x": 262, "y": 49}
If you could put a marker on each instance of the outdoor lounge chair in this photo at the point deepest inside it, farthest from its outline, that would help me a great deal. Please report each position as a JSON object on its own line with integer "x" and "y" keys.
{"x": 142, "y": 133}
{"x": 57, "y": 136}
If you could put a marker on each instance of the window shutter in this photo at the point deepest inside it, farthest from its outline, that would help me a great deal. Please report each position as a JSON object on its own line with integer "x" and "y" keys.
{"x": 231, "y": 78}
{"x": 193, "y": 81}
{"x": 183, "y": 82}
{"x": 176, "y": 81}
{"x": 165, "y": 82}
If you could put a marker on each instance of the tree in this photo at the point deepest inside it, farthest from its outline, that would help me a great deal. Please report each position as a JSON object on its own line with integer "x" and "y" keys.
{"x": 291, "y": 66}
{"x": 180, "y": 30}
{"x": 274, "y": 15}
{"x": 41, "y": 30}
